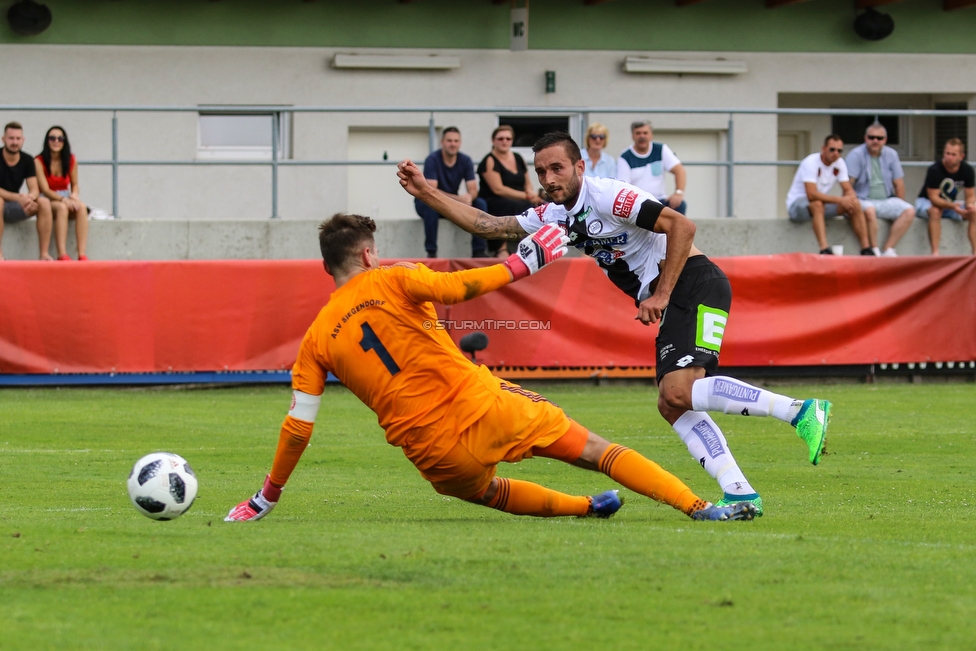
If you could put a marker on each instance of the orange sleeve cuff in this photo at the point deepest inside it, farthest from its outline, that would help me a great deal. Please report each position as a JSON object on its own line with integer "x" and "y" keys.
{"x": 294, "y": 438}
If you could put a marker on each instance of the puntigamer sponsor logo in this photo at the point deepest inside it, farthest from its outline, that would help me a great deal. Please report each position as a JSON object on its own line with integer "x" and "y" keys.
{"x": 735, "y": 391}
{"x": 624, "y": 202}
{"x": 708, "y": 436}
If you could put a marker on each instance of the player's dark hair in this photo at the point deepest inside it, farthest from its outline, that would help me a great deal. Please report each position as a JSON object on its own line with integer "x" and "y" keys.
{"x": 559, "y": 138}
{"x": 833, "y": 136}
{"x": 341, "y": 237}
{"x": 65, "y": 154}
{"x": 448, "y": 130}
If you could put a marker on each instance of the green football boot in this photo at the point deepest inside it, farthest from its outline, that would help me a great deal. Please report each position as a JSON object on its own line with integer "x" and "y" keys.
{"x": 811, "y": 426}
{"x": 754, "y": 498}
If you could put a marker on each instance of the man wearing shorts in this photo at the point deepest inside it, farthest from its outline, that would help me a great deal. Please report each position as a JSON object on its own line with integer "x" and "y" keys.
{"x": 453, "y": 420}
{"x": 647, "y": 250}
{"x": 16, "y": 168}
{"x": 808, "y": 198}
{"x": 949, "y": 192}
{"x": 879, "y": 183}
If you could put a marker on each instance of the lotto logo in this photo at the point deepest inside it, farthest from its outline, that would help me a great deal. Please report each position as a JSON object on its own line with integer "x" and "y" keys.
{"x": 623, "y": 203}
{"x": 711, "y": 327}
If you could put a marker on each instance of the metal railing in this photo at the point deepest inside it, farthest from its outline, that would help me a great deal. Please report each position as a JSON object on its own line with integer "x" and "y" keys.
{"x": 581, "y": 113}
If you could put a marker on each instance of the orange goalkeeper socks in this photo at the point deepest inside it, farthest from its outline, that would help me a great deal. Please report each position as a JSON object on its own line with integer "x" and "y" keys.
{"x": 525, "y": 498}
{"x": 643, "y": 476}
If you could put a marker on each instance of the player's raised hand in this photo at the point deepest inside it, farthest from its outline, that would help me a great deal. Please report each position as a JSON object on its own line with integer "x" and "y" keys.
{"x": 258, "y": 506}
{"x": 537, "y": 250}
{"x": 412, "y": 178}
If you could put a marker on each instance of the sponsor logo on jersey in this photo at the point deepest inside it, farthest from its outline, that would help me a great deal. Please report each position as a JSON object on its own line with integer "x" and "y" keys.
{"x": 607, "y": 256}
{"x": 623, "y": 203}
{"x": 540, "y": 211}
{"x": 735, "y": 391}
{"x": 616, "y": 240}
{"x": 709, "y": 438}
{"x": 594, "y": 227}
{"x": 294, "y": 401}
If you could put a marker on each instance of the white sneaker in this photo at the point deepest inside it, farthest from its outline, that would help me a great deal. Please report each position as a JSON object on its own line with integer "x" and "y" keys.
{"x": 890, "y": 253}
{"x": 876, "y": 250}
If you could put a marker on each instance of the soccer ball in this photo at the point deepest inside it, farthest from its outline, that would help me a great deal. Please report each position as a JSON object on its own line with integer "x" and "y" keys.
{"x": 162, "y": 486}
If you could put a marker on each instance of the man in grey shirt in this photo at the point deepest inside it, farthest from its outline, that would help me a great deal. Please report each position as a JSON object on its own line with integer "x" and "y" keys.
{"x": 879, "y": 183}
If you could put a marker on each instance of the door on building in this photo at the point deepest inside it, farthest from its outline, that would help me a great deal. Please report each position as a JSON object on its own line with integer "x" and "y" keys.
{"x": 374, "y": 190}
{"x": 790, "y": 145}
{"x": 705, "y": 188}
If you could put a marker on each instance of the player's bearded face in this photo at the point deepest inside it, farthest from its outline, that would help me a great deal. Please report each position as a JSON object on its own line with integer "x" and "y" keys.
{"x": 557, "y": 175}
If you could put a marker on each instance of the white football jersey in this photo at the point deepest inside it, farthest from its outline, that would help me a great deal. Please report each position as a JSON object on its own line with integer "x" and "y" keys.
{"x": 602, "y": 224}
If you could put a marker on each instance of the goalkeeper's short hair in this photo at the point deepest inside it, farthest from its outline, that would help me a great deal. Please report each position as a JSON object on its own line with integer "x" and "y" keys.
{"x": 341, "y": 237}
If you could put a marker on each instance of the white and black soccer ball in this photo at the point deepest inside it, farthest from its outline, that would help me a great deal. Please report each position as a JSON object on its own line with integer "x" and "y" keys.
{"x": 162, "y": 486}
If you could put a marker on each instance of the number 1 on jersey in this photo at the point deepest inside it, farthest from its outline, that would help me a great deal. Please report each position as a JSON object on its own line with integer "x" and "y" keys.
{"x": 370, "y": 342}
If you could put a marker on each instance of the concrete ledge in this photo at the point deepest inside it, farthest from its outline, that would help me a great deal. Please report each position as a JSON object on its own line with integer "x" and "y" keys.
{"x": 135, "y": 239}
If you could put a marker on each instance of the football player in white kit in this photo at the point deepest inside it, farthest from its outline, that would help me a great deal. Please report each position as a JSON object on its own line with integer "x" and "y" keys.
{"x": 647, "y": 250}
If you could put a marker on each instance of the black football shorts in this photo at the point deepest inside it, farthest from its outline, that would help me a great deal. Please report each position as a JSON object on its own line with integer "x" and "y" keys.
{"x": 691, "y": 330}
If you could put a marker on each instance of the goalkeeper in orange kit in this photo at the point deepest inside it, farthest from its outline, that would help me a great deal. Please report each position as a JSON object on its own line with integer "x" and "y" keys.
{"x": 455, "y": 421}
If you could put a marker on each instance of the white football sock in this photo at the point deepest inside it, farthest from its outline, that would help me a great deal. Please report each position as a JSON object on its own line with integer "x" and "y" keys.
{"x": 735, "y": 397}
{"x": 708, "y": 446}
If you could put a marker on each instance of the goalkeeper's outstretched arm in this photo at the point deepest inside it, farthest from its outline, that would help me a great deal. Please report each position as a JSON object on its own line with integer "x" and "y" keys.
{"x": 296, "y": 432}
{"x": 467, "y": 217}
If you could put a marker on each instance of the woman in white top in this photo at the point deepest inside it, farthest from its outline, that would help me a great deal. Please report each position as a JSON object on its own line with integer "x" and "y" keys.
{"x": 598, "y": 162}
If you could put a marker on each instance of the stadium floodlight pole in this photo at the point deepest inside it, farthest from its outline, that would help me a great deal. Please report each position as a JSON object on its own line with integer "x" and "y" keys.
{"x": 275, "y": 137}
{"x": 115, "y": 165}
{"x": 730, "y": 170}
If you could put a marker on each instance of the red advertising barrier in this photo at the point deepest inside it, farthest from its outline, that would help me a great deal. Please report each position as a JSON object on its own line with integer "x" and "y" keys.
{"x": 787, "y": 310}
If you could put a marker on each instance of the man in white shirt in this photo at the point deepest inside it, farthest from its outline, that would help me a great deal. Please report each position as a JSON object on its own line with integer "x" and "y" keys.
{"x": 808, "y": 198}
{"x": 643, "y": 165}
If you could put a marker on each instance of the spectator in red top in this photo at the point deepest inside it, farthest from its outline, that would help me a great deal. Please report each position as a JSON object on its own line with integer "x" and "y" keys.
{"x": 57, "y": 176}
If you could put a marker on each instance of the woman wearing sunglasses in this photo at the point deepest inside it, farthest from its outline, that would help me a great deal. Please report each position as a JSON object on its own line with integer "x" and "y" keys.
{"x": 505, "y": 184}
{"x": 598, "y": 162}
{"x": 57, "y": 176}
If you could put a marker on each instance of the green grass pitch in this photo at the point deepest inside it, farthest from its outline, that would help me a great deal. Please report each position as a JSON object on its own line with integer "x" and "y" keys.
{"x": 873, "y": 549}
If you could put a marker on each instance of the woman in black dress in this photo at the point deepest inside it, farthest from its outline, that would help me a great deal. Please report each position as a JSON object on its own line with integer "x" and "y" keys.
{"x": 505, "y": 182}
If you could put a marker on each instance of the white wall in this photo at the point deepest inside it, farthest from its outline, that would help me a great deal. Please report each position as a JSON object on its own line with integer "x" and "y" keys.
{"x": 487, "y": 78}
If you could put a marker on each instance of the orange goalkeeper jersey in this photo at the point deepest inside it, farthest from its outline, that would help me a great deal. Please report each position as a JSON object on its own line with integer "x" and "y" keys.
{"x": 378, "y": 334}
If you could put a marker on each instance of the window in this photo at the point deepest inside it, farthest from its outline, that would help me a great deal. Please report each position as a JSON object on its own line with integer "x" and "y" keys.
{"x": 242, "y": 135}
{"x": 531, "y": 128}
{"x": 851, "y": 127}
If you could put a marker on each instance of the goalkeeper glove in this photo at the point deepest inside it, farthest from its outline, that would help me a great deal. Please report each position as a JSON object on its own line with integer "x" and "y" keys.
{"x": 537, "y": 250}
{"x": 258, "y": 506}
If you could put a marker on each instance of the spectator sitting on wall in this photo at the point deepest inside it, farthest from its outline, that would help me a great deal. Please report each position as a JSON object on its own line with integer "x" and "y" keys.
{"x": 57, "y": 177}
{"x": 879, "y": 183}
{"x": 17, "y": 168}
{"x": 808, "y": 198}
{"x": 506, "y": 185}
{"x": 445, "y": 169}
{"x": 597, "y": 161}
{"x": 644, "y": 164}
{"x": 940, "y": 196}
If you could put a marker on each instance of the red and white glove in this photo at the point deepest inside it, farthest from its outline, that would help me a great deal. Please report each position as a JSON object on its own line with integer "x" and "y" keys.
{"x": 258, "y": 506}
{"x": 537, "y": 250}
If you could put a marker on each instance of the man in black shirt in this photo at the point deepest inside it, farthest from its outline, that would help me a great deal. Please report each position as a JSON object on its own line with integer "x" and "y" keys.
{"x": 17, "y": 167}
{"x": 941, "y": 197}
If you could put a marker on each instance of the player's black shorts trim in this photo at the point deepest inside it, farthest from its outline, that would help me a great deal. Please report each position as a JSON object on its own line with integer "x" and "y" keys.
{"x": 694, "y": 322}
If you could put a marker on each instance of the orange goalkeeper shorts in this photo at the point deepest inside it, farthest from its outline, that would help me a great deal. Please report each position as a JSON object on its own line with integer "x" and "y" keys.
{"x": 518, "y": 422}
